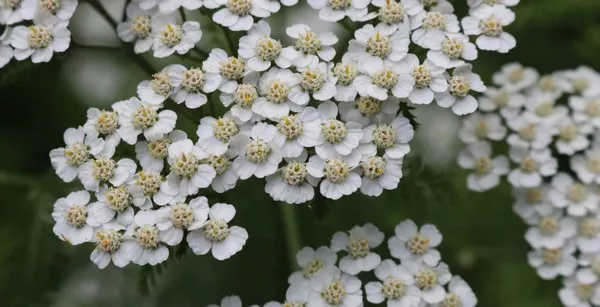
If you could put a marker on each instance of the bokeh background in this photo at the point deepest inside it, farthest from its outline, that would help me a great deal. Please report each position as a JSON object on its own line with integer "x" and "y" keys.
{"x": 483, "y": 238}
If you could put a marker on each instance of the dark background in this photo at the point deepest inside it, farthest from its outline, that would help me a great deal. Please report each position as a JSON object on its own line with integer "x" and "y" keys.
{"x": 483, "y": 238}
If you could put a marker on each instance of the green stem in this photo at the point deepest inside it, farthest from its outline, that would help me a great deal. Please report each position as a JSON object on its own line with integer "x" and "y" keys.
{"x": 182, "y": 13}
{"x": 291, "y": 233}
{"x": 347, "y": 24}
{"x": 124, "y": 15}
{"x": 102, "y": 11}
{"x": 230, "y": 42}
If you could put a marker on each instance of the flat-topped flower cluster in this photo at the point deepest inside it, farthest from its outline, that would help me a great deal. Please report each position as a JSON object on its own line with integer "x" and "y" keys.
{"x": 550, "y": 125}
{"x": 420, "y": 278}
{"x": 303, "y": 117}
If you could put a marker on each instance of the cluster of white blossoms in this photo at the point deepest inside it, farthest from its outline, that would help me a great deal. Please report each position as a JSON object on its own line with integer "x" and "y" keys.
{"x": 418, "y": 279}
{"x": 34, "y": 29}
{"x": 296, "y": 116}
{"x": 550, "y": 124}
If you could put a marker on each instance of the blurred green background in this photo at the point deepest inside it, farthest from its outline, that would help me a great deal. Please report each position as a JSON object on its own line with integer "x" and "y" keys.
{"x": 483, "y": 238}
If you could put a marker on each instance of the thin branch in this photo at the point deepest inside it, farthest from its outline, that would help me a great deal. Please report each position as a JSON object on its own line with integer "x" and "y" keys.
{"x": 124, "y": 15}
{"x": 182, "y": 13}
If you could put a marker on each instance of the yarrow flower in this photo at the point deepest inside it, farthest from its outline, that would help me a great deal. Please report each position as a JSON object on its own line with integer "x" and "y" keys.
{"x": 551, "y": 119}
{"x": 310, "y": 117}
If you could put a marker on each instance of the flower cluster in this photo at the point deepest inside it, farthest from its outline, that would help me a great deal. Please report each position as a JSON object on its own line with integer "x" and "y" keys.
{"x": 34, "y": 29}
{"x": 328, "y": 279}
{"x": 549, "y": 124}
{"x": 297, "y": 116}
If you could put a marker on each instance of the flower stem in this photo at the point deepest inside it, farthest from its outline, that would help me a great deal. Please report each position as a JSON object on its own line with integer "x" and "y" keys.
{"x": 291, "y": 233}
{"x": 102, "y": 11}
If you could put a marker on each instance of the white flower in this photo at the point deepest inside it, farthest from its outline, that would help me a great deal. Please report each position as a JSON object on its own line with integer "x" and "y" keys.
{"x": 476, "y": 3}
{"x": 365, "y": 109}
{"x": 189, "y": 172}
{"x": 336, "y": 10}
{"x": 226, "y": 176}
{"x": 276, "y": 87}
{"x": 451, "y": 50}
{"x": 289, "y": 2}
{"x": 192, "y": 85}
{"x": 109, "y": 240}
{"x": 152, "y": 154}
{"x": 509, "y": 104}
{"x": 588, "y": 235}
{"x": 311, "y": 263}
{"x": 587, "y": 165}
{"x": 413, "y": 245}
{"x": 487, "y": 23}
{"x": 533, "y": 164}
{"x": 12, "y": 12}
{"x": 260, "y": 50}
{"x": 113, "y": 201}
{"x": 550, "y": 263}
{"x": 358, "y": 243}
{"x": 415, "y": 7}
{"x": 430, "y": 27}
{"x": 346, "y": 73}
{"x": 379, "y": 173}
{"x": 583, "y": 79}
{"x": 231, "y": 69}
{"x": 171, "y": 37}
{"x": 157, "y": 90}
{"x": 138, "y": 117}
{"x": 237, "y": 15}
{"x": 376, "y": 44}
{"x": 336, "y": 171}
{"x": 555, "y": 83}
{"x": 216, "y": 134}
{"x": 217, "y": 236}
{"x": 311, "y": 45}
{"x": 542, "y": 108}
{"x": 551, "y": 231}
{"x": 242, "y": 98}
{"x": 576, "y": 198}
{"x": 145, "y": 187}
{"x": 513, "y": 77}
{"x": 391, "y": 14}
{"x": 391, "y": 137}
{"x": 74, "y": 224}
{"x": 430, "y": 280}
{"x": 313, "y": 80}
{"x": 259, "y": 153}
{"x": 170, "y": 6}
{"x": 459, "y": 294}
{"x": 300, "y": 131}
{"x": 396, "y": 286}
{"x": 479, "y": 126}
{"x": 292, "y": 183}
{"x": 428, "y": 79}
{"x": 462, "y": 81}
{"x": 103, "y": 169}
{"x": 172, "y": 220}
{"x": 104, "y": 124}
{"x": 62, "y": 9}
{"x": 40, "y": 40}
{"x": 137, "y": 28}
{"x": 331, "y": 287}
{"x": 532, "y": 203}
{"x": 67, "y": 160}
{"x": 229, "y": 301}
{"x": 585, "y": 110}
{"x": 6, "y": 51}
{"x": 380, "y": 78}
{"x": 335, "y": 135}
{"x": 528, "y": 134}
{"x": 143, "y": 242}
{"x": 478, "y": 157}
{"x": 576, "y": 293}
